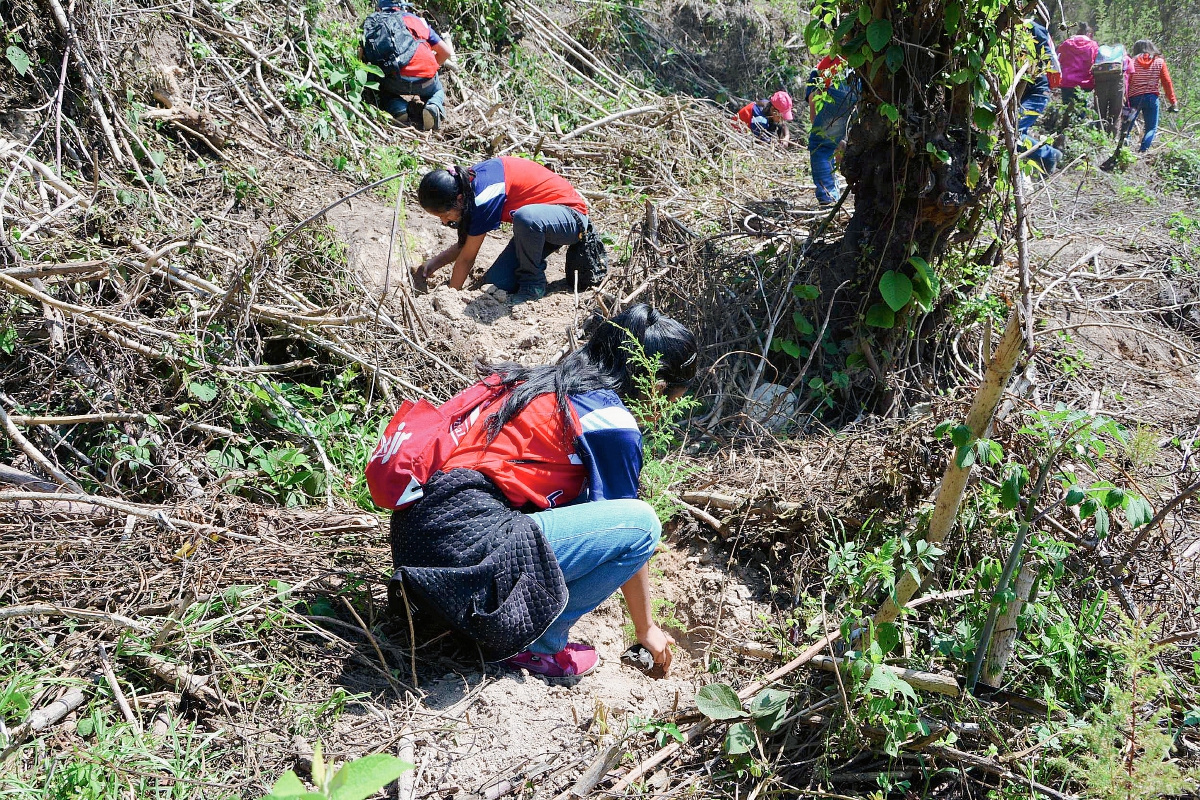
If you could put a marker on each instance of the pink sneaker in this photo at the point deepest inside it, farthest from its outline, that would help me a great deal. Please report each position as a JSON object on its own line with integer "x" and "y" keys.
{"x": 572, "y": 661}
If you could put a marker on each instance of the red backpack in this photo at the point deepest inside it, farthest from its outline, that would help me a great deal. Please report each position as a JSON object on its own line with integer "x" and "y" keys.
{"x": 419, "y": 439}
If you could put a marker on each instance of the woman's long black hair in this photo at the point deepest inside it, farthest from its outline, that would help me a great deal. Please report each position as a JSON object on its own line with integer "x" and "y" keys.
{"x": 605, "y": 362}
{"x": 440, "y": 191}
{"x": 1146, "y": 47}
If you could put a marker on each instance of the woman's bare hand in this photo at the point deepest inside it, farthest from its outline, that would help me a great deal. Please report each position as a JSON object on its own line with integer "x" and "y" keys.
{"x": 658, "y": 642}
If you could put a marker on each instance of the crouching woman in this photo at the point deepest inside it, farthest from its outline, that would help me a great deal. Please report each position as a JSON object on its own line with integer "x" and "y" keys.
{"x": 533, "y": 520}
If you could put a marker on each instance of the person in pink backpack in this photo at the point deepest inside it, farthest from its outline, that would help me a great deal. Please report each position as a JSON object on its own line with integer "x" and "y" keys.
{"x": 1149, "y": 74}
{"x": 1076, "y": 55}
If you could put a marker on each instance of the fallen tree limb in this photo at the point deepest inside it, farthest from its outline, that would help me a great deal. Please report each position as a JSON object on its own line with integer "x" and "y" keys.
{"x": 43, "y": 718}
{"x": 15, "y": 477}
{"x": 48, "y": 610}
{"x": 925, "y": 681}
{"x": 87, "y": 504}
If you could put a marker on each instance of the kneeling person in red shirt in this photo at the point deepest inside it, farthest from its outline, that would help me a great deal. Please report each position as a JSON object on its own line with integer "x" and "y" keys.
{"x": 545, "y": 211}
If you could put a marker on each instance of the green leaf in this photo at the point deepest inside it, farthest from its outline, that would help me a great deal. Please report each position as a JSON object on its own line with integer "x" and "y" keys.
{"x": 880, "y": 316}
{"x": 879, "y": 33}
{"x": 288, "y": 785}
{"x": 739, "y": 739}
{"x": 887, "y": 635}
{"x": 887, "y": 684}
{"x": 806, "y": 291}
{"x": 365, "y": 776}
{"x": 984, "y": 118}
{"x": 964, "y": 75}
{"x": 961, "y": 435}
{"x": 19, "y": 59}
{"x": 767, "y": 702}
{"x": 1137, "y": 511}
{"x": 896, "y": 289}
{"x": 1114, "y": 498}
{"x": 855, "y": 60}
{"x": 1010, "y": 490}
{"x": 864, "y": 14}
{"x": 888, "y": 110}
{"x": 803, "y": 326}
{"x": 204, "y": 392}
{"x": 895, "y": 59}
{"x": 789, "y": 347}
{"x": 85, "y": 726}
{"x": 1102, "y": 523}
{"x": 951, "y": 16}
{"x": 1075, "y": 496}
{"x": 942, "y": 429}
{"x": 965, "y": 457}
{"x": 719, "y": 701}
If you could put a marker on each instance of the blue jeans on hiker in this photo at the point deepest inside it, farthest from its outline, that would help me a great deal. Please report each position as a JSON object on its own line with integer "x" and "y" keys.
{"x": 1032, "y": 106}
{"x": 395, "y": 91}
{"x": 821, "y": 152}
{"x": 538, "y": 230}
{"x": 1147, "y": 106}
{"x": 599, "y": 547}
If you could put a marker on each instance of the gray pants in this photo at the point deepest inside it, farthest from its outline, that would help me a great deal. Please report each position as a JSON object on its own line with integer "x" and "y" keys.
{"x": 538, "y": 230}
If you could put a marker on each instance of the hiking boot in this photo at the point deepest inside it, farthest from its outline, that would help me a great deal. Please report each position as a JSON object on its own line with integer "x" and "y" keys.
{"x": 574, "y": 660}
{"x": 432, "y": 117}
{"x": 527, "y": 292}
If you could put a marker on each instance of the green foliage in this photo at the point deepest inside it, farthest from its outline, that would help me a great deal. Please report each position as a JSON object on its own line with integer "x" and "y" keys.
{"x": 355, "y": 780}
{"x": 1178, "y": 164}
{"x": 19, "y": 59}
{"x": 1128, "y": 744}
{"x": 764, "y": 715}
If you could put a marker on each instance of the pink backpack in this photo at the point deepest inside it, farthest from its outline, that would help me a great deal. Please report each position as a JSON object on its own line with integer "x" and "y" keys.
{"x": 419, "y": 439}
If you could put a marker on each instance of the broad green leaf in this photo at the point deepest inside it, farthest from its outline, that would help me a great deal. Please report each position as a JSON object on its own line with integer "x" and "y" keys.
{"x": 887, "y": 684}
{"x": 951, "y": 16}
{"x": 1113, "y": 498}
{"x": 1102, "y": 523}
{"x": 895, "y": 60}
{"x": 880, "y": 316}
{"x": 960, "y": 435}
{"x": 1010, "y": 491}
{"x": 767, "y": 702}
{"x": 719, "y": 701}
{"x": 879, "y": 33}
{"x": 864, "y": 14}
{"x": 887, "y": 109}
{"x": 739, "y": 739}
{"x": 965, "y": 457}
{"x": 806, "y": 291}
{"x": 1075, "y": 496}
{"x": 984, "y": 118}
{"x": 887, "y": 636}
{"x": 896, "y": 289}
{"x": 204, "y": 392}
{"x": 789, "y": 347}
{"x": 288, "y": 785}
{"x": 1137, "y": 510}
{"x": 855, "y": 60}
{"x": 963, "y": 76}
{"x": 365, "y": 776}
{"x": 19, "y": 59}
{"x": 803, "y": 326}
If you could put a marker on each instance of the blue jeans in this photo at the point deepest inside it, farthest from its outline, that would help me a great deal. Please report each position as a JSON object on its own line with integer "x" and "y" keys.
{"x": 1032, "y": 106}
{"x": 821, "y": 152}
{"x": 538, "y": 230}
{"x": 599, "y": 547}
{"x": 395, "y": 91}
{"x": 1147, "y": 106}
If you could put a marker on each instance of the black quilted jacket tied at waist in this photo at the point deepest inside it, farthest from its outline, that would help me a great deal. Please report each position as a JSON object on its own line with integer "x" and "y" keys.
{"x": 464, "y": 554}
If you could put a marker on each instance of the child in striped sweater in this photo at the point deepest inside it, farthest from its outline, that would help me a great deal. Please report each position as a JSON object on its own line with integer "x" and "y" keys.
{"x": 1149, "y": 73}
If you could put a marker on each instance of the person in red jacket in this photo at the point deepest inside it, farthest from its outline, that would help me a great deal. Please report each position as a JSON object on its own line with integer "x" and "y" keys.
{"x": 419, "y": 78}
{"x": 1149, "y": 73}
{"x": 559, "y": 454}
{"x": 545, "y": 211}
{"x": 768, "y": 119}
{"x": 1076, "y": 55}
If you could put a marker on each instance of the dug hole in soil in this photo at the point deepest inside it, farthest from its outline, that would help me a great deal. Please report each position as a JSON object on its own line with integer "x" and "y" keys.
{"x": 480, "y": 728}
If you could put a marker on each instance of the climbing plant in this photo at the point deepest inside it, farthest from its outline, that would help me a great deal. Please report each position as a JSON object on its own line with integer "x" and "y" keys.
{"x": 925, "y": 151}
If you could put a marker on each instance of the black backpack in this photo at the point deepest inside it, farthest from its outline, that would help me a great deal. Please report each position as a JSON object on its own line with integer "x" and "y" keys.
{"x": 387, "y": 41}
{"x": 587, "y": 259}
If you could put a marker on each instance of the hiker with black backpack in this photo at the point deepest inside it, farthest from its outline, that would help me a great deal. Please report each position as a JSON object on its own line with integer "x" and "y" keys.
{"x": 516, "y": 505}
{"x": 410, "y": 53}
{"x": 546, "y": 213}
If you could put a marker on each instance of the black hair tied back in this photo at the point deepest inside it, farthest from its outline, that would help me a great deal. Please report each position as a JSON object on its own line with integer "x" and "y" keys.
{"x": 441, "y": 189}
